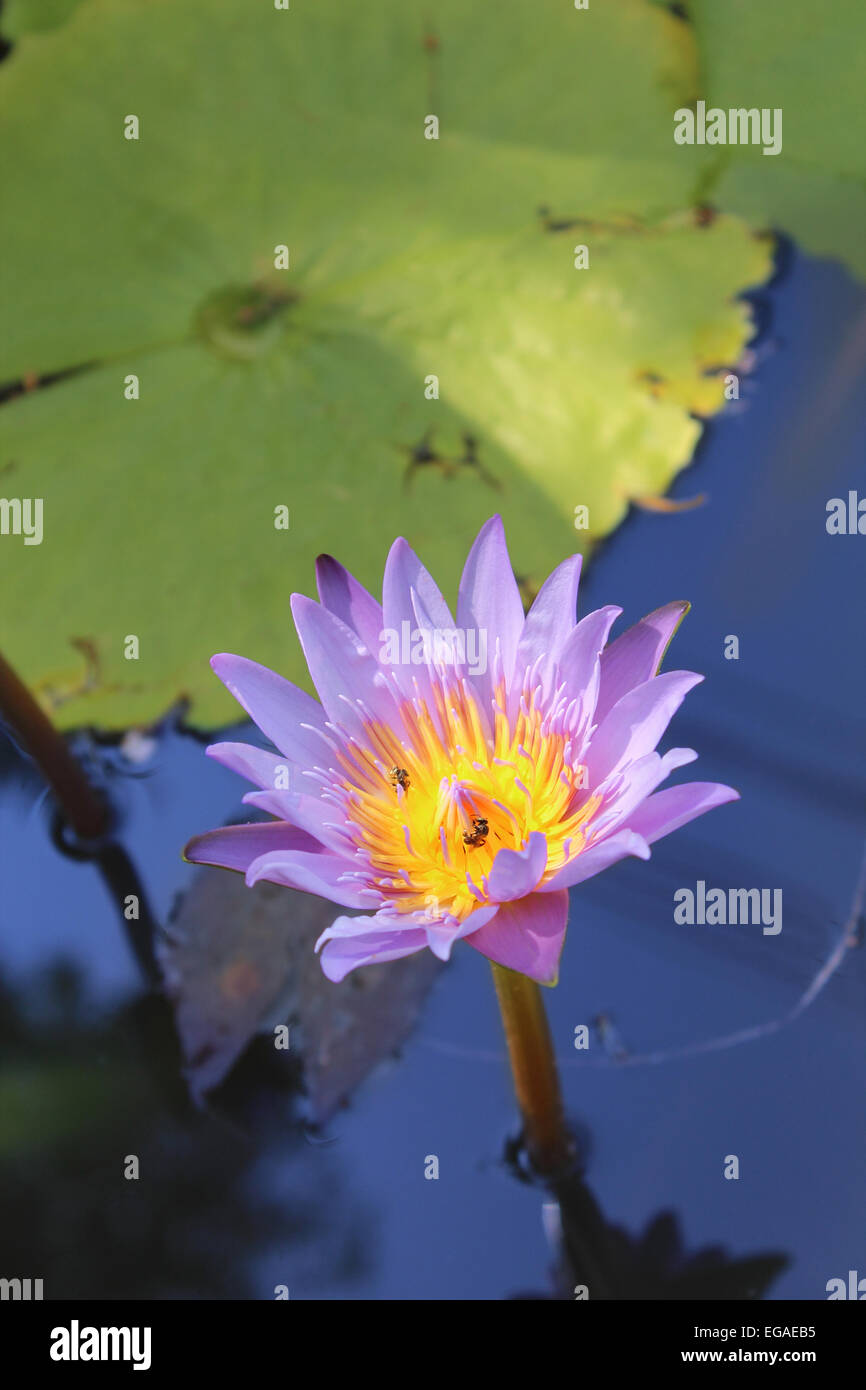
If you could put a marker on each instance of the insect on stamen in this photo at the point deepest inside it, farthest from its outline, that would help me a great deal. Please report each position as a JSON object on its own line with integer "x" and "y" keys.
{"x": 477, "y": 836}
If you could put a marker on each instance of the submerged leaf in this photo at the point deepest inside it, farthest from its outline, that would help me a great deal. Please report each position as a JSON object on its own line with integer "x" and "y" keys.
{"x": 238, "y": 961}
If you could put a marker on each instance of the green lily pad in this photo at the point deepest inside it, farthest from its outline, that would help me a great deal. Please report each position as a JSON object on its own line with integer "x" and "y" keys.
{"x": 809, "y": 61}
{"x": 304, "y": 388}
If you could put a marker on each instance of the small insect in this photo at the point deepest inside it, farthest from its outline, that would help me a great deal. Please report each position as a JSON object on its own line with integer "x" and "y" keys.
{"x": 399, "y": 777}
{"x": 477, "y": 836}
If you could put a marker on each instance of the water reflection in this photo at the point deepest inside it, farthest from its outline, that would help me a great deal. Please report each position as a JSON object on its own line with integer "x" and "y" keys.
{"x": 82, "y": 1096}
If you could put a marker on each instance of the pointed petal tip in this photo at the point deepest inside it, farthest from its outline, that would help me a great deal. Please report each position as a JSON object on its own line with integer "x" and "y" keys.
{"x": 229, "y": 666}
{"x": 190, "y": 849}
{"x": 198, "y": 851}
{"x": 441, "y": 949}
{"x": 547, "y": 979}
{"x": 334, "y": 973}
{"x": 213, "y": 750}
{"x": 219, "y": 661}
{"x": 325, "y": 566}
{"x": 399, "y": 546}
{"x": 302, "y": 601}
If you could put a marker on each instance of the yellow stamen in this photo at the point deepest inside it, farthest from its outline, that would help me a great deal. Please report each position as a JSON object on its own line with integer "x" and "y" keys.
{"x": 518, "y": 780}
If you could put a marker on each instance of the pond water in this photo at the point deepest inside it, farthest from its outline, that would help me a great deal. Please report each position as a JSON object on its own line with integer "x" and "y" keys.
{"x": 240, "y": 1196}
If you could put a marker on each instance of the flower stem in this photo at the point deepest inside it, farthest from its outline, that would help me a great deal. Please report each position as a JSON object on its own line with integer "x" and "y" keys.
{"x": 533, "y": 1067}
{"x": 79, "y": 802}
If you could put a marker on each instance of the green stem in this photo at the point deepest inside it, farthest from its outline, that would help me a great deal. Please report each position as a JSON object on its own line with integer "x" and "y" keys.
{"x": 32, "y": 727}
{"x": 533, "y": 1066}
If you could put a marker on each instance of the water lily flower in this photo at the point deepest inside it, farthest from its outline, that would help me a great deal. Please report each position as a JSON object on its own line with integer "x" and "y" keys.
{"x": 445, "y": 796}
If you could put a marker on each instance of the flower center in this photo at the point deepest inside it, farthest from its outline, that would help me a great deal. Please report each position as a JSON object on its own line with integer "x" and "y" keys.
{"x": 431, "y": 807}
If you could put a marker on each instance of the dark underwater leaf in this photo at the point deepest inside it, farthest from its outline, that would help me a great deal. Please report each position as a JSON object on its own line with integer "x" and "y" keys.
{"x": 238, "y": 961}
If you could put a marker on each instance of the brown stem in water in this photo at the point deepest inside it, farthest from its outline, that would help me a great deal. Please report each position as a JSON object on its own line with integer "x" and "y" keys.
{"x": 79, "y": 802}
{"x": 533, "y": 1066}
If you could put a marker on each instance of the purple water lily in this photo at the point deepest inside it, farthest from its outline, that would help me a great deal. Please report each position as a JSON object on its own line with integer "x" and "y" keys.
{"x": 457, "y": 778}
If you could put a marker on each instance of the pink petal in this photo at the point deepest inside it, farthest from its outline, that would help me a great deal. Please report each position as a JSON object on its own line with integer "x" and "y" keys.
{"x": 438, "y": 664}
{"x": 318, "y": 818}
{"x": 515, "y": 873}
{"x": 349, "y": 601}
{"x": 635, "y": 784}
{"x": 311, "y": 871}
{"x": 579, "y": 664}
{"x": 636, "y": 655}
{"x": 527, "y": 936}
{"x": 676, "y": 806}
{"x": 342, "y": 669}
{"x": 550, "y": 621}
{"x": 279, "y": 708}
{"x": 238, "y": 846}
{"x": 407, "y": 589}
{"x": 341, "y": 956}
{"x": 387, "y": 930}
{"x": 598, "y": 857}
{"x": 636, "y": 723}
{"x": 441, "y": 936}
{"x": 489, "y": 599}
{"x": 353, "y": 941}
{"x": 404, "y": 572}
{"x": 256, "y": 764}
